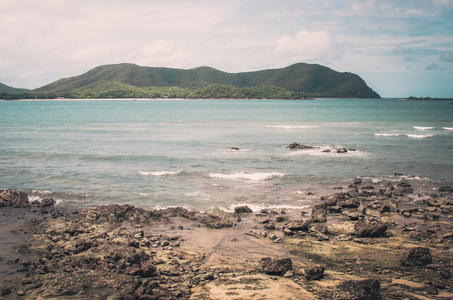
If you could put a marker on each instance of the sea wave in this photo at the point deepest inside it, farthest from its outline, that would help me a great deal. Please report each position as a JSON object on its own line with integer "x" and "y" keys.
{"x": 248, "y": 176}
{"x": 387, "y": 134}
{"x": 292, "y": 126}
{"x": 423, "y": 128}
{"x": 419, "y": 136}
{"x": 158, "y": 173}
{"x": 448, "y": 128}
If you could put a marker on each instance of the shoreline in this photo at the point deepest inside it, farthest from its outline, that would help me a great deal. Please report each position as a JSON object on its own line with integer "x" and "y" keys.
{"x": 366, "y": 235}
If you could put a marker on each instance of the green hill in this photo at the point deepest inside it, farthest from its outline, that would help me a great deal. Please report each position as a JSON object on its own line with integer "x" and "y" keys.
{"x": 298, "y": 81}
{"x": 4, "y": 89}
{"x": 311, "y": 79}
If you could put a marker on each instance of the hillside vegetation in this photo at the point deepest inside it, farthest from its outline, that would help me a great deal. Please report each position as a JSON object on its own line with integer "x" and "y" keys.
{"x": 10, "y": 90}
{"x": 297, "y": 81}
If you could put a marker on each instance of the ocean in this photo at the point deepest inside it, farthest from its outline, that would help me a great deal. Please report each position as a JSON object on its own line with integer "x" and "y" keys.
{"x": 160, "y": 153}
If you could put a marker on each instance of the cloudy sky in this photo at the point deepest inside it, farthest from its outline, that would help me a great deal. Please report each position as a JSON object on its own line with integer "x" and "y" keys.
{"x": 399, "y": 47}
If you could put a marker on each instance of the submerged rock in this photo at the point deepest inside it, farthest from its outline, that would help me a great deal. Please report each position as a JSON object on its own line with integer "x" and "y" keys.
{"x": 369, "y": 289}
{"x": 296, "y": 146}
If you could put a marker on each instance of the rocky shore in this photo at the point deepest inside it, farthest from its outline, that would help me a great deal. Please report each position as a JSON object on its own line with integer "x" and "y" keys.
{"x": 367, "y": 241}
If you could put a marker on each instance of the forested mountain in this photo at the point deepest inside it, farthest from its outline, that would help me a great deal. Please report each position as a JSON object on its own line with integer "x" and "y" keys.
{"x": 297, "y": 81}
{"x": 10, "y": 90}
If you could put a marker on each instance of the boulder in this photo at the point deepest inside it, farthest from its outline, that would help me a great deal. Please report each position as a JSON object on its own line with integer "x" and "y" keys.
{"x": 357, "y": 181}
{"x": 13, "y": 198}
{"x": 276, "y": 266}
{"x": 296, "y": 146}
{"x": 446, "y": 189}
{"x": 296, "y": 226}
{"x": 363, "y": 229}
{"x": 314, "y": 272}
{"x": 369, "y": 289}
{"x": 48, "y": 202}
{"x": 319, "y": 213}
{"x": 418, "y": 256}
{"x": 242, "y": 209}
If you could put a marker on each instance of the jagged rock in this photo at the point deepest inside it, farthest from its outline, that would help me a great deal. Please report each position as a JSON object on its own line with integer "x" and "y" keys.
{"x": 418, "y": 256}
{"x": 48, "y": 202}
{"x": 276, "y": 266}
{"x": 217, "y": 222}
{"x": 368, "y": 187}
{"x": 363, "y": 229}
{"x": 296, "y": 226}
{"x": 389, "y": 206}
{"x": 341, "y": 150}
{"x": 369, "y": 289}
{"x": 401, "y": 191}
{"x": 296, "y": 146}
{"x": 314, "y": 272}
{"x": 446, "y": 189}
{"x": 13, "y": 198}
{"x": 357, "y": 181}
{"x": 242, "y": 209}
{"x": 319, "y": 213}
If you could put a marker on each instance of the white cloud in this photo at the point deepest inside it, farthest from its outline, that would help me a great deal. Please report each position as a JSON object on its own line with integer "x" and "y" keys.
{"x": 309, "y": 46}
{"x": 161, "y": 52}
{"x": 446, "y": 56}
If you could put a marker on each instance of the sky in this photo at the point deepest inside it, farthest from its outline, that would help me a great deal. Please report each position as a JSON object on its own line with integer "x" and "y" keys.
{"x": 400, "y": 48}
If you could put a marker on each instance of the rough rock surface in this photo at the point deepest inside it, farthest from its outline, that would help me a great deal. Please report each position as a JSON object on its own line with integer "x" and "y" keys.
{"x": 276, "y": 266}
{"x": 369, "y": 289}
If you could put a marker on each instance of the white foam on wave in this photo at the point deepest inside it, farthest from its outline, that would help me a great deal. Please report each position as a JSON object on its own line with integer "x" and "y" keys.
{"x": 387, "y": 134}
{"x": 448, "y": 128}
{"x": 231, "y": 150}
{"x": 292, "y": 126}
{"x": 419, "y": 136}
{"x": 423, "y": 128}
{"x": 327, "y": 151}
{"x": 247, "y": 176}
{"x": 158, "y": 173}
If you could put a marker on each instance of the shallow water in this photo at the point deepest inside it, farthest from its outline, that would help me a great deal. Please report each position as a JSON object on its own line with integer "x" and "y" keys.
{"x": 158, "y": 153}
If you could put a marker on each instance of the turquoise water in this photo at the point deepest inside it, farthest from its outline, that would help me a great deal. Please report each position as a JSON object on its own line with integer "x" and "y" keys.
{"x": 177, "y": 152}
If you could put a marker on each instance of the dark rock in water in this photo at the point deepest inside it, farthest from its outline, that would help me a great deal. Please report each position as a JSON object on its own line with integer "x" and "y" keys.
{"x": 276, "y": 266}
{"x": 13, "y": 198}
{"x": 234, "y": 148}
{"x": 48, "y": 202}
{"x": 369, "y": 289}
{"x": 342, "y": 150}
{"x": 404, "y": 185}
{"x": 319, "y": 213}
{"x": 314, "y": 273}
{"x": 242, "y": 209}
{"x": 363, "y": 229}
{"x": 418, "y": 256}
{"x": 296, "y": 146}
{"x": 446, "y": 189}
{"x": 357, "y": 181}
